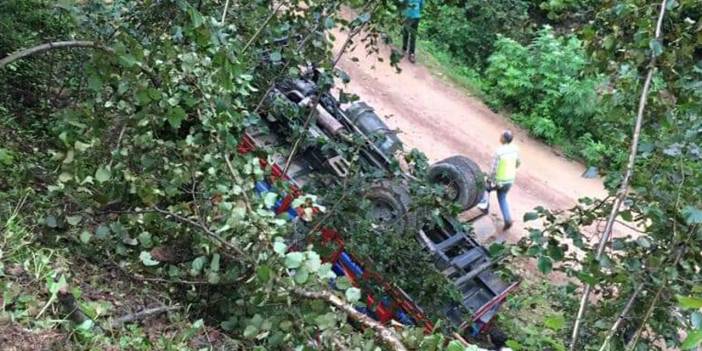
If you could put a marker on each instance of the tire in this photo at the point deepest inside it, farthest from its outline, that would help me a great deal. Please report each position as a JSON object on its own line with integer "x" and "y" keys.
{"x": 391, "y": 207}
{"x": 498, "y": 338}
{"x": 463, "y": 179}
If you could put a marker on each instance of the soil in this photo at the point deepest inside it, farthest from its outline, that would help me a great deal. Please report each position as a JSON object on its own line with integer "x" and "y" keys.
{"x": 441, "y": 119}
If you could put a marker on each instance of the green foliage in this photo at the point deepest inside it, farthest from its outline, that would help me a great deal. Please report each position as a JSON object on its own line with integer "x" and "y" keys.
{"x": 131, "y": 153}
{"x": 535, "y": 319}
{"x": 543, "y": 84}
{"x": 468, "y": 29}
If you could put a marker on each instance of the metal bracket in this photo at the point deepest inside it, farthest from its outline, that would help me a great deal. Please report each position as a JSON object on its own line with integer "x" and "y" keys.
{"x": 340, "y": 165}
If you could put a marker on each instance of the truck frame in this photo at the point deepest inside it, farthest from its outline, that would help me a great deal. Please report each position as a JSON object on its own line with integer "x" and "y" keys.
{"x": 457, "y": 255}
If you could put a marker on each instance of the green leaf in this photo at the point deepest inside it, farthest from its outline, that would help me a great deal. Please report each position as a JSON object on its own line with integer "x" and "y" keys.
{"x": 694, "y": 338}
{"x": 689, "y": 302}
{"x": 142, "y": 97}
{"x": 364, "y": 17}
{"x": 545, "y": 265}
{"x": 454, "y": 345}
{"x": 55, "y": 286}
{"x": 250, "y": 331}
{"x": 693, "y": 215}
{"x": 325, "y": 271}
{"x": 214, "y": 264}
{"x": 294, "y": 259}
{"x": 6, "y": 157}
{"x": 102, "y": 232}
{"x": 263, "y": 273}
{"x": 213, "y": 278}
{"x": 86, "y": 325}
{"x": 276, "y": 56}
{"x": 326, "y": 321}
{"x": 73, "y": 220}
{"x": 530, "y": 216}
{"x": 329, "y": 23}
{"x": 514, "y": 345}
{"x": 197, "y": 265}
{"x": 280, "y": 247}
{"x": 103, "y": 174}
{"x": 269, "y": 199}
{"x": 147, "y": 260}
{"x": 145, "y": 239}
{"x": 696, "y": 320}
{"x": 555, "y": 322}
{"x": 353, "y": 294}
{"x": 671, "y": 4}
{"x": 81, "y": 146}
{"x": 127, "y": 60}
{"x": 644, "y": 242}
{"x": 656, "y": 47}
{"x": 196, "y": 17}
{"x": 85, "y": 237}
{"x": 313, "y": 262}
{"x": 51, "y": 221}
{"x": 343, "y": 283}
{"x": 175, "y": 116}
{"x": 301, "y": 276}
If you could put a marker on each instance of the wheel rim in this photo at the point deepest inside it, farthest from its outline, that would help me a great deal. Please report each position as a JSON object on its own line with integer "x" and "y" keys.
{"x": 383, "y": 212}
{"x": 450, "y": 188}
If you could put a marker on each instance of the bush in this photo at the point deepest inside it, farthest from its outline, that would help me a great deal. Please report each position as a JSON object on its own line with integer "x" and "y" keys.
{"x": 468, "y": 29}
{"x": 544, "y": 84}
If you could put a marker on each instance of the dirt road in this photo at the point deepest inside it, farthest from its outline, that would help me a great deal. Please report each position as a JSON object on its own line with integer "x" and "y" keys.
{"x": 442, "y": 120}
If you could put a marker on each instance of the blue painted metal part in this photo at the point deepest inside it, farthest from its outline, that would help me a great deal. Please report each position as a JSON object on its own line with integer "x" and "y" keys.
{"x": 348, "y": 262}
{"x": 344, "y": 259}
{"x": 262, "y": 187}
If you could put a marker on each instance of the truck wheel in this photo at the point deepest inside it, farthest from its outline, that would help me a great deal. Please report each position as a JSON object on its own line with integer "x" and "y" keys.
{"x": 462, "y": 179}
{"x": 498, "y": 338}
{"x": 390, "y": 207}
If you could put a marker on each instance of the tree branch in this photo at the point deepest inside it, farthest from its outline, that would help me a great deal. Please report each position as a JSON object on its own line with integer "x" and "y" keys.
{"x": 624, "y": 187}
{"x": 142, "y": 314}
{"x": 205, "y": 229}
{"x": 53, "y": 45}
{"x": 621, "y": 317}
{"x": 635, "y": 340}
{"x": 260, "y": 29}
{"x": 384, "y": 334}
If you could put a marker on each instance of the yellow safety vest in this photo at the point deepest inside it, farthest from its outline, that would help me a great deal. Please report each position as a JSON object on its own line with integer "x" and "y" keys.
{"x": 507, "y": 158}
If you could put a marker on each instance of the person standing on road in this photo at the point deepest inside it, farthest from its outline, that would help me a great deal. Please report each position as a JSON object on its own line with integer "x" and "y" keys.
{"x": 502, "y": 175}
{"x": 412, "y": 14}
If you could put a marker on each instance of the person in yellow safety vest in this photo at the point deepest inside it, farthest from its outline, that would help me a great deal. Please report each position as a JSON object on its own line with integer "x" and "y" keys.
{"x": 502, "y": 176}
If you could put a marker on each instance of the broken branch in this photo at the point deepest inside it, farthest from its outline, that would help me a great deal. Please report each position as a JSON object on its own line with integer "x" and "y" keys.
{"x": 384, "y": 334}
{"x": 149, "y": 312}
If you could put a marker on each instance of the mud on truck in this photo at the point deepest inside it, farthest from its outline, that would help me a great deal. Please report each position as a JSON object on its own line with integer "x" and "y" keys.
{"x": 456, "y": 254}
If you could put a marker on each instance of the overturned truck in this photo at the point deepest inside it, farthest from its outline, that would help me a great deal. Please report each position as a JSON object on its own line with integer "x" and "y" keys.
{"x": 457, "y": 255}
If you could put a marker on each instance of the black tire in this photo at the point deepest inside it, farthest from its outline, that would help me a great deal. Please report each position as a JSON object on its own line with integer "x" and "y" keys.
{"x": 391, "y": 207}
{"x": 498, "y": 338}
{"x": 463, "y": 179}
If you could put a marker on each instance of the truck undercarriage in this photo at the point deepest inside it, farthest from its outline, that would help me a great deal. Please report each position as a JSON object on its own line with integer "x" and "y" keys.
{"x": 304, "y": 160}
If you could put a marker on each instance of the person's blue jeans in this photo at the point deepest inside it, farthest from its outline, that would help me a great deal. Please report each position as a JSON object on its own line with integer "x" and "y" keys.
{"x": 502, "y": 199}
{"x": 502, "y": 191}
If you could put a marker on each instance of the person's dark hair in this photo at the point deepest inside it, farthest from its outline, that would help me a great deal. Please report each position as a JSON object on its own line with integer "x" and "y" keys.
{"x": 507, "y": 136}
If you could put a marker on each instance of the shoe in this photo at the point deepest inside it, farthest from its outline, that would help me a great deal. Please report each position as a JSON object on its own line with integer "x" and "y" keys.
{"x": 412, "y": 58}
{"x": 507, "y": 226}
{"x": 483, "y": 206}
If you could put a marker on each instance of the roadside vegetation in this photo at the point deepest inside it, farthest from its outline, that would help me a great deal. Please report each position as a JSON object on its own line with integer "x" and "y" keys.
{"x": 573, "y": 73}
{"x": 129, "y": 221}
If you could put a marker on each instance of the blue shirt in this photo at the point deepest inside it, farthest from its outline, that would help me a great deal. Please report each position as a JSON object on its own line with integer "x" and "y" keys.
{"x": 413, "y": 8}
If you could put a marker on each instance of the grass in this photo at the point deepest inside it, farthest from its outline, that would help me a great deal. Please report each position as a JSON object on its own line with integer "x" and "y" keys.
{"x": 441, "y": 63}
{"x": 534, "y": 318}
{"x": 33, "y": 273}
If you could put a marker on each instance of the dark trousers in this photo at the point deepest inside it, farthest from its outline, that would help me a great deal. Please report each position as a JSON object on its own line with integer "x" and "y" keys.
{"x": 409, "y": 34}
{"x": 502, "y": 191}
